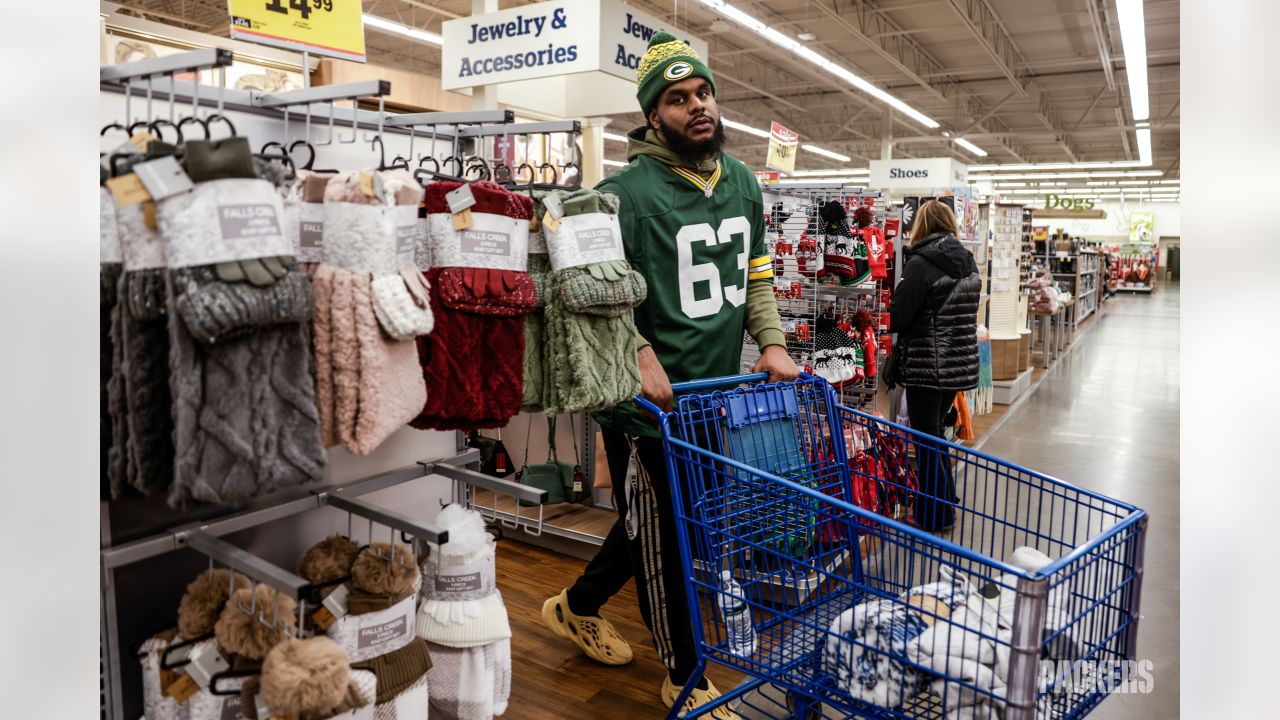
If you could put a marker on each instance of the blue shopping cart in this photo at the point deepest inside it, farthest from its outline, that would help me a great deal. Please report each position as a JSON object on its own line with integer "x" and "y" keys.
{"x": 861, "y": 613}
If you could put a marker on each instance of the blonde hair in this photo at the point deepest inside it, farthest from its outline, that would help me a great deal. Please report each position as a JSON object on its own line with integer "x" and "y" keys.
{"x": 933, "y": 217}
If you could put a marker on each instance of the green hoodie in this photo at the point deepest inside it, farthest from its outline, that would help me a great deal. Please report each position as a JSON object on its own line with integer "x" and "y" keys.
{"x": 704, "y": 259}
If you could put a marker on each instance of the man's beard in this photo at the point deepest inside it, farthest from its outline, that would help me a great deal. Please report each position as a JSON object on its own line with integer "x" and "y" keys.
{"x": 690, "y": 151}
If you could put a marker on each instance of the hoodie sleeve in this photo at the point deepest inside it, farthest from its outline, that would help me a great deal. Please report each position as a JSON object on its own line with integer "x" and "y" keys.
{"x": 908, "y": 297}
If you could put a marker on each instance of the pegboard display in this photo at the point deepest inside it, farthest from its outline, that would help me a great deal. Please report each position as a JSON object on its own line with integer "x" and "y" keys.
{"x": 832, "y": 271}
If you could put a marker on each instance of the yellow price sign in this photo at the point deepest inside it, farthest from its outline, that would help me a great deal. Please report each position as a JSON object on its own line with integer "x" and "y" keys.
{"x": 322, "y": 27}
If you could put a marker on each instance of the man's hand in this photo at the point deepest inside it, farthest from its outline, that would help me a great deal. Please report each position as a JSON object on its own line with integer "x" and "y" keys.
{"x": 775, "y": 361}
{"x": 654, "y": 385}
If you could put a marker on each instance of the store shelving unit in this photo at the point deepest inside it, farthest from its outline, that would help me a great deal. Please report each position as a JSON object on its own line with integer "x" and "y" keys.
{"x": 1028, "y": 264}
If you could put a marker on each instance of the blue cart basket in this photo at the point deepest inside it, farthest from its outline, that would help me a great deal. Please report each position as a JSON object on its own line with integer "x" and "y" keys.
{"x": 762, "y": 486}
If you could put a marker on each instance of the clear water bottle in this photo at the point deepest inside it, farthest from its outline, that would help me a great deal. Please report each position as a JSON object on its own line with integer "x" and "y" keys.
{"x": 737, "y": 617}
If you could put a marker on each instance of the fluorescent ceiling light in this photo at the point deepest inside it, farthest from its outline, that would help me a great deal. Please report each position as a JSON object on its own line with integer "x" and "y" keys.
{"x": 800, "y": 50}
{"x": 826, "y": 153}
{"x": 805, "y": 181}
{"x": 734, "y": 124}
{"x": 1133, "y": 33}
{"x": 1068, "y": 176}
{"x": 385, "y": 25}
{"x": 613, "y": 163}
{"x": 615, "y": 137}
{"x": 1144, "y": 145}
{"x": 1023, "y": 167}
{"x": 971, "y": 147}
{"x": 829, "y": 173}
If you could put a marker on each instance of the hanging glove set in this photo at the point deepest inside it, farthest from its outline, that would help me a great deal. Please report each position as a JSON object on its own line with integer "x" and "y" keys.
{"x": 480, "y": 292}
{"x": 240, "y": 308}
{"x": 370, "y": 290}
{"x": 209, "y": 296}
{"x": 590, "y": 342}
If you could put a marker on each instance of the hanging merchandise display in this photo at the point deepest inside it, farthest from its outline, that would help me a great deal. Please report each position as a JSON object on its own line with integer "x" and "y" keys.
{"x": 590, "y": 336}
{"x": 480, "y": 293}
{"x": 830, "y": 312}
{"x": 464, "y": 621}
{"x": 201, "y": 605}
{"x": 239, "y": 310}
{"x": 309, "y": 678}
{"x": 369, "y": 609}
{"x": 112, "y": 413}
{"x": 369, "y": 290}
{"x": 539, "y": 268}
{"x": 141, "y": 419}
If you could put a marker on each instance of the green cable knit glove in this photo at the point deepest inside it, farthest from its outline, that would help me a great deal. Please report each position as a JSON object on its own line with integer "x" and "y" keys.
{"x": 590, "y": 356}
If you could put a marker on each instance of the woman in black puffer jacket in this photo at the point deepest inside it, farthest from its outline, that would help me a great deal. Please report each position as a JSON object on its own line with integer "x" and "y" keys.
{"x": 934, "y": 311}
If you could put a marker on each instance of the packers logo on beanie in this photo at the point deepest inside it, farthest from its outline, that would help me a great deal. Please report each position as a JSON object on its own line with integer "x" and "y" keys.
{"x": 666, "y": 61}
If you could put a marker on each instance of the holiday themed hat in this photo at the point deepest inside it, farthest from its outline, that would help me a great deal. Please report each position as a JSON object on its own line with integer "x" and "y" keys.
{"x": 667, "y": 61}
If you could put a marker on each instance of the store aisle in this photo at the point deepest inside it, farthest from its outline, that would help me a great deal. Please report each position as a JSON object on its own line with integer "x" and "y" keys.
{"x": 1106, "y": 419}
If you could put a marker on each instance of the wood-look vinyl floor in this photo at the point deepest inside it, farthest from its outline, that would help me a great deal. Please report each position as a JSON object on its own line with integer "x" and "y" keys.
{"x": 551, "y": 678}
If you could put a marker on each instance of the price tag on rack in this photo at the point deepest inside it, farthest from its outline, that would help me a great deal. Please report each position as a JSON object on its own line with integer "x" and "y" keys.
{"x": 334, "y": 28}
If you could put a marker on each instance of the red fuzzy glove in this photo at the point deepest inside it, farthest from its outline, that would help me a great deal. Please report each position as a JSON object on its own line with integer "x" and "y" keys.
{"x": 473, "y": 362}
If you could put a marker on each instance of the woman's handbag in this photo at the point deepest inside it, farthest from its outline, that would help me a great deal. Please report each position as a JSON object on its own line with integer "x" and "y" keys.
{"x": 891, "y": 372}
{"x": 563, "y": 482}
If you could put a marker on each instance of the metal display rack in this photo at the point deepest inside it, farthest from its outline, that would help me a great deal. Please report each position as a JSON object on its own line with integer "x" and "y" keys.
{"x": 804, "y": 300}
{"x": 148, "y": 551}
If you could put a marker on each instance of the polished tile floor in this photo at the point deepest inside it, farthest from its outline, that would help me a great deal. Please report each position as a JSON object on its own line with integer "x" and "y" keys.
{"x": 1106, "y": 418}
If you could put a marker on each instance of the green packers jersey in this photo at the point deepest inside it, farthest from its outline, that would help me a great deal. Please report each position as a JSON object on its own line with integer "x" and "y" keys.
{"x": 697, "y": 243}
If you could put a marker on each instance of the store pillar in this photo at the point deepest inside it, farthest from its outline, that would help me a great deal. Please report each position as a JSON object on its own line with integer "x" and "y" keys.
{"x": 484, "y": 97}
{"x": 593, "y": 150}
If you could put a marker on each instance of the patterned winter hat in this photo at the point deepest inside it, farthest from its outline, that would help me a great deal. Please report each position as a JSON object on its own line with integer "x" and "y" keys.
{"x": 667, "y": 61}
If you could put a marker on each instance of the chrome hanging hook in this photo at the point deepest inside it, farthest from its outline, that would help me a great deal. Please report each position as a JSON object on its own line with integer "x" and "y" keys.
{"x": 355, "y": 118}
{"x": 275, "y": 614}
{"x": 331, "y": 128}
{"x": 381, "y": 106}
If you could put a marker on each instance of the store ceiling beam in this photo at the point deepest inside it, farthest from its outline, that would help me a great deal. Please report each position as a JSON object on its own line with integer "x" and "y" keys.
{"x": 994, "y": 38}
{"x": 1098, "y": 23}
{"x": 992, "y": 111}
{"x": 876, "y": 29}
{"x": 432, "y": 9}
{"x": 987, "y": 30}
{"x": 768, "y": 52}
{"x": 1089, "y": 109}
{"x": 861, "y": 20}
{"x": 1124, "y": 133}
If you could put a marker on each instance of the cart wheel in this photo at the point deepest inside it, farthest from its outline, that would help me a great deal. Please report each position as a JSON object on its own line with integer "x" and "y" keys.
{"x": 815, "y": 708}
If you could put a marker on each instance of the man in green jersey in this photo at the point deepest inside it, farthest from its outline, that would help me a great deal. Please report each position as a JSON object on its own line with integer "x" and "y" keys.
{"x": 692, "y": 222}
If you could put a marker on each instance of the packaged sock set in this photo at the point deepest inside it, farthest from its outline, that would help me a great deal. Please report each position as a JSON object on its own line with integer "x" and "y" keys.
{"x": 239, "y": 309}
{"x": 376, "y": 619}
{"x": 464, "y": 621}
{"x": 375, "y": 300}
{"x": 202, "y": 603}
{"x": 590, "y": 337}
{"x": 480, "y": 292}
{"x": 309, "y": 680}
{"x": 253, "y": 621}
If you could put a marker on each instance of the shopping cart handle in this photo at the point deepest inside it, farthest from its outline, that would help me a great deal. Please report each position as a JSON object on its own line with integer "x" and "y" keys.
{"x": 718, "y": 382}
{"x": 708, "y": 384}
